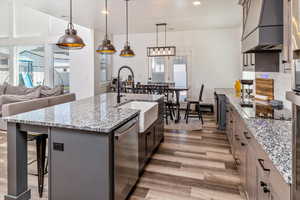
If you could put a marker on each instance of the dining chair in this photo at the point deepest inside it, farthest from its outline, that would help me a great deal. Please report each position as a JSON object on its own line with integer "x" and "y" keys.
{"x": 189, "y": 113}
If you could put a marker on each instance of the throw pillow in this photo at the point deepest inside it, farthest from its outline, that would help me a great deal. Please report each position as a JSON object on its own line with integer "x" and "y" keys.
{"x": 58, "y": 90}
{"x": 19, "y": 90}
{"x": 3, "y": 88}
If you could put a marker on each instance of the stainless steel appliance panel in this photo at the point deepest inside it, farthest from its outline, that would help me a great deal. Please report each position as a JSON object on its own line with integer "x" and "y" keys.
{"x": 126, "y": 159}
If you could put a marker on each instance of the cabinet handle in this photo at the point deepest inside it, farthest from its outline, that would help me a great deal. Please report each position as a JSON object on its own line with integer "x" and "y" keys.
{"x": 265, "y": 187}
{"x": 243, "y": 144}
{"x": 252, "y": 63}
{"x": 237, "y": 161}
{"x": 237, "y": 137}
{"x": 231, "y": 121}
{"x": 261, "y": 163}
{"x": 246, "y": 135}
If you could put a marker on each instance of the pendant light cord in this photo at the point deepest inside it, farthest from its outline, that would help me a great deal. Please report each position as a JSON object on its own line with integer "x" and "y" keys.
{"x": 156, "y": 35}
{"x": 71, "y": 11}
{"x": 106, "y": 13}
{"x": 127, "y": 22}
{"x": 165, "y": 35}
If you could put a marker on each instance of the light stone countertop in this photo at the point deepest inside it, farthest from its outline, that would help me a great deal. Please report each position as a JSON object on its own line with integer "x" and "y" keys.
{"x": 99, "y": 114}
{"x": 274, "y": 136}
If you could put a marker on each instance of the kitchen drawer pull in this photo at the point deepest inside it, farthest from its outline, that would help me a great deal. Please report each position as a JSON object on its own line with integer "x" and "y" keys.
{"x": 237, "y": 137}
{"x": 246, "y": 135}
{"x": 261, "y": 163}
{"x": 265, "y": 187}
{"x": 237, "y": 161}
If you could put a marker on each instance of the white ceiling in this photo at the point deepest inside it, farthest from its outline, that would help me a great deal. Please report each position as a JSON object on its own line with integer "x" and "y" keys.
{"x": 144, "y": 14}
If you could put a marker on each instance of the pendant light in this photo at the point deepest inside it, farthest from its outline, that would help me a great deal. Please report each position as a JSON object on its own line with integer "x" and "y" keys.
{"x": 106, "y": 47}
{"x": 159, "y": 51}
{"x": 70, "y": 40}
{"x": 127, "y": 52}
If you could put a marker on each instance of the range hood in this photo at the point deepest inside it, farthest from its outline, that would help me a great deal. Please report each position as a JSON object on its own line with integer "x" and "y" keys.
{"x": 263, "y": 26}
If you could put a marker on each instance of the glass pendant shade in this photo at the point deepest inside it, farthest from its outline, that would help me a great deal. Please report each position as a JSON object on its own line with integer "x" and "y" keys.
{"x": 106, "y": 47}
{"x": 127, "y": 52}
{"x": 70, "y": 40}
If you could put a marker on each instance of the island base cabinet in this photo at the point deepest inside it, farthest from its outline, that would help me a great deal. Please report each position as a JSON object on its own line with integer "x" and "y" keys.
{"x": 149, "y": 141}
{"x": 259, "y": 177}
{"x": 80, "y": 165}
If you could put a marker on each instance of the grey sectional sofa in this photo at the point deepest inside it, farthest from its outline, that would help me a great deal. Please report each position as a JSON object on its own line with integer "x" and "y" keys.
{"x": 19, "y": 100}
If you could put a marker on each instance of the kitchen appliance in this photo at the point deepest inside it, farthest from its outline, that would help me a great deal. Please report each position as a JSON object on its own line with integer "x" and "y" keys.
{"x": 126, "y": 158}
{"x": 263, "y": 27}
{"x": 247, "y": 89}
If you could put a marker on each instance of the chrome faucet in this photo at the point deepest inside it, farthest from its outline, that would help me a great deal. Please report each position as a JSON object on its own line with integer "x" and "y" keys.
{"x": 121, "y": 68}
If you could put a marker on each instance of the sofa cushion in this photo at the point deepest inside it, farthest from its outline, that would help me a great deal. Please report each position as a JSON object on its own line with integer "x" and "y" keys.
{"x": 3, "y": 88}
{"x": 48, "y": 92}
{"x": 19, "y": 90}
{"x": 8, "y": 98}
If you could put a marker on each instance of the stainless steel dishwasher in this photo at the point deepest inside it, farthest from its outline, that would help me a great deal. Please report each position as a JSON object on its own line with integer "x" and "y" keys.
{"x": 126, "y": 159}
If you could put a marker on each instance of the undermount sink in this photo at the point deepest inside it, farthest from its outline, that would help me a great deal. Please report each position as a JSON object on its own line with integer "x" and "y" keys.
{"x": 148, "y": 113}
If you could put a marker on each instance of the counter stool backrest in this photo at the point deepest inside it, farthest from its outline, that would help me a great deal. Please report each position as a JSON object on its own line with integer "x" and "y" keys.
{"x": 201, "y": 93}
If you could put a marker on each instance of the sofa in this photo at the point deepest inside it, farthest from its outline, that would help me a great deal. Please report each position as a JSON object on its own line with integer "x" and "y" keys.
{"x": 18, "y": 99}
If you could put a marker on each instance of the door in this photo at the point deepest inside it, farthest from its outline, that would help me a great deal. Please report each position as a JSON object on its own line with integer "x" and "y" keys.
{"x": 173, "y": 70}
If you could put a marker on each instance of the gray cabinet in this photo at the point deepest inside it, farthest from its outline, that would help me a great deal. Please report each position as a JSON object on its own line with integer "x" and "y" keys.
{"x": 259, "y": 178}
{"x": 287, "y": 50}
{"x": 149, "y": 141}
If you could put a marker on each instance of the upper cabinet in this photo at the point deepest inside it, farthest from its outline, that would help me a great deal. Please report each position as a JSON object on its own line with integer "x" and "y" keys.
{"x": 287, "y": 49}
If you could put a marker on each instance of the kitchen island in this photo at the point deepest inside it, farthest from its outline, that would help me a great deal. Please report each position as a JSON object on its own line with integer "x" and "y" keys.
{"x": 82, "y": 147}
{"x": 261, "y": 147}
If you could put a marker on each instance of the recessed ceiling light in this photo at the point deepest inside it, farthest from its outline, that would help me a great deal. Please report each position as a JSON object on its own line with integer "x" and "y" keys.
{"x": 105, "y": 12}
{"x": 197, "y": 3}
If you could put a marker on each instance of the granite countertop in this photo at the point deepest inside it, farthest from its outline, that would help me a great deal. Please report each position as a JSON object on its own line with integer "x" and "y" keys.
{"x": 97, "y": 114}
{"x": 275, "y": 136}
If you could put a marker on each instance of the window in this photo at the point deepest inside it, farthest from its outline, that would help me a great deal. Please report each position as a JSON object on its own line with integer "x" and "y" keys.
{"x": 4, "y": 65}
{"x": 105, "y": 68}
{"x": 180, "y": 74}
{"x": 61, "y": 64}
{"x": 172, "y": 70}
{"x": 158, "y": 69}
{"x": 30, "y": 66}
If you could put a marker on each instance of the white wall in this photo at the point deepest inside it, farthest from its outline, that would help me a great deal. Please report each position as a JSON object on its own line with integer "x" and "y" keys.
{"x": 214, "y": 56}
{"x": 31, "y": 27}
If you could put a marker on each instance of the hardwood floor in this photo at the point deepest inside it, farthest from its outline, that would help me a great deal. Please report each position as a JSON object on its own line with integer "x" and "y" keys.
{"x": 191, "y": 165}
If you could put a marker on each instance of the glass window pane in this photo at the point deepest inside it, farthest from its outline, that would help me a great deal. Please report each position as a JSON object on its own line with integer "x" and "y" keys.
{"x": 30, "y": 61}
{"x": 4, "y": 65}
{"x": 61, "y": 68}
{"x": 158, "y": 69}
{"x": 180, "y": 74}
{"x": 105, "y": 68}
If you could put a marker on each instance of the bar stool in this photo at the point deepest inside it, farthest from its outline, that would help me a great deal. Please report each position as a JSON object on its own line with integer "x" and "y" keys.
{"x": 188, "y": 111}
{"x": 41, "y": 142}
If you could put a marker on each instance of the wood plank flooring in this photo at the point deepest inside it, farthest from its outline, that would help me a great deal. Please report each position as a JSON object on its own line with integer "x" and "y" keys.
{"x": 191, "y": 165}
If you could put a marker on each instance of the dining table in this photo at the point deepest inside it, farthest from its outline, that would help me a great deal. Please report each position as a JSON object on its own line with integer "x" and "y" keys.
{"x": 170, "y": 89}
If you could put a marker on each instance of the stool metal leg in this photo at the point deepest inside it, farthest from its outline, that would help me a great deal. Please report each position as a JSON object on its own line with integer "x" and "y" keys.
{"x": 41, "y": 158}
